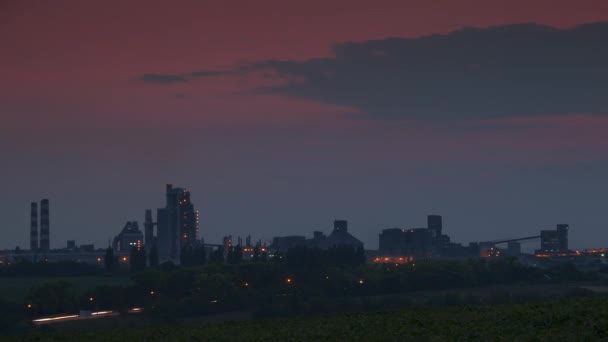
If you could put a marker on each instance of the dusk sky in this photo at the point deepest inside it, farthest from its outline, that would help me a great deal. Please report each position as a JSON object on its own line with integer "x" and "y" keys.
{"x": 281, "y": 116}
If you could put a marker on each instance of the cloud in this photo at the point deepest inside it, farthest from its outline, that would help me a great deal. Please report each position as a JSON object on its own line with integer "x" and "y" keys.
{"x": 177, "y": 78}
{"x": 162, "y": 78}
{"x": 471, "y": 74}
{"x": 207, "y": 73}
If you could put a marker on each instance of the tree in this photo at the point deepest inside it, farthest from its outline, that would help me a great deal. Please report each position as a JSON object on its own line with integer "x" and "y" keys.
{"x": 237, "y": 256}
{"x": 185, "y": 256}
{"x": 110, "y": 260}
{"x": 138, "y": 260}
{"x": 199, "y": 255}
{"x": 256, "y": 254}
{"x": 217, "y": 256}
{"x": 360, "y": 255}
{"x": 52, "y": 297}
{"x": 153, "y": 257}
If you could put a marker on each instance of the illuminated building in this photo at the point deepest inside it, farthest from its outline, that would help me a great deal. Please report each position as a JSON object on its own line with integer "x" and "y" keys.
{"x": 177, "y": 224}
{"x": 414, "y": 242}
{"x": 129, "y": 237}
{"x": 554, "y": 241}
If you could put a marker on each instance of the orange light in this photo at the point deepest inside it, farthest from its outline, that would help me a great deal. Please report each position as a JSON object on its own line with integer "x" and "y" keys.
{"x": 98, "y": 259}
{"x": 91, "y": 299}
{"x": 152, "y": 293}
{"x": 29, "y": 306}
{"x": 124, "y": 259}
{"x": 289, "y": 280}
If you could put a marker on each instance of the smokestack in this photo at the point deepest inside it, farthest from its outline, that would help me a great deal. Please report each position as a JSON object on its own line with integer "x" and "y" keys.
{"x": 34, "y": 227}
{"x": 149, "y": 229}
{"x": 44, "y": 226}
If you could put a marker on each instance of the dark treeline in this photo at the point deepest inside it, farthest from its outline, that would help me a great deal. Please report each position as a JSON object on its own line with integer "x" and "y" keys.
{"x": 301, "y": 280}
{"x": 23, "y": 268}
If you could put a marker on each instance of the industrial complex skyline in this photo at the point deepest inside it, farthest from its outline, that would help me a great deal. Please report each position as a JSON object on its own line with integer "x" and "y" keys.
{"x": 177, "y": 226}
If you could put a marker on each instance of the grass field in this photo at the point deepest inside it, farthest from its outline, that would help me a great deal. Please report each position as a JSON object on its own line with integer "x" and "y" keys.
{"x": 581, "y": 319}
{"x": 15, "y": 289}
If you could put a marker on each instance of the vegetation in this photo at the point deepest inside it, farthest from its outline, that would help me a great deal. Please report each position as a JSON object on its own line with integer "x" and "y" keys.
{"x": 565, "y": 320}
{"x": 302, "y": 281}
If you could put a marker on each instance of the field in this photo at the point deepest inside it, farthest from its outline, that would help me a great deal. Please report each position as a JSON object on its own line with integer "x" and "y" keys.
{"x": 580, "y": 319}
{"x": 15, "y": 289}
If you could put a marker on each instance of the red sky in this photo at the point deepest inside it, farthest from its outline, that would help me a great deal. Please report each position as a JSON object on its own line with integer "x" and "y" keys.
{"x": 70, "y": 94}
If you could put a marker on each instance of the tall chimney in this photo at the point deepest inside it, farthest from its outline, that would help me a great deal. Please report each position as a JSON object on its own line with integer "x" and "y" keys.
{"x": 44, "y": 226}
{"x": 34, "y": 227}
{"x": 149, "y": 229}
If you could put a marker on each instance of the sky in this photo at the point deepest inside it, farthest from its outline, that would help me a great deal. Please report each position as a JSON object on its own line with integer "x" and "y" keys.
{"x": 281, "y": 116}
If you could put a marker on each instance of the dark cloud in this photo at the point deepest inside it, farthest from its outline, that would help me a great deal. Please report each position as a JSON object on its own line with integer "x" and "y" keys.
{"x": 171, "y": 78}
{"x": 207, "y": 73}
{"x": 162, "y": 78}
{"x": 514, "y": 70}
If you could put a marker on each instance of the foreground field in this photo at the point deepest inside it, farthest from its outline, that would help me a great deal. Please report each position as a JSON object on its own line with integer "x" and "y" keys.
{"x": 584, "y": 319}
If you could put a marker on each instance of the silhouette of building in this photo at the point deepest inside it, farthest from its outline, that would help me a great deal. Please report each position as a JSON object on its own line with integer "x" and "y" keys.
{"x": 434, "y": 225}
{"x": 414, "y": 242}
{"x": 562, "y": 233}
{"x": 554, "y": 241}
{"x": 391, "y": 241}
{"x": 149, "y": 238}
{"x": 284, "y": 243}
{"x": 45, "y": 226}
{"x": 130, "y": 236}
{"x": 34, "y": 227}
{"x": 177, "y": 224}
{"x": 513, "y": 249}
{"x": 339, "y": 237}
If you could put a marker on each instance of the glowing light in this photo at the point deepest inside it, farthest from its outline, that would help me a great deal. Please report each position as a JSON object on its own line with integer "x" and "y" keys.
{"x": 124, "y": 259}
{"x": 152, "y": 292}
{"x": 289, "y": 280}
{"x": 91, "y": 299}
{"x": 246, "y": 284}
{"x": 98, "y": 259}
{"x": 49, "y": 319}
{"x": 29, "y": 306}
{"x": 361, "y": 281}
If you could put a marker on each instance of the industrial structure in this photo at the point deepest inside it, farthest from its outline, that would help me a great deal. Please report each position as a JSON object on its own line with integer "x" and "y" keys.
{"x": 34, "y": 226}
{"x": 177, "y": 225}
{"x": 338, "y": 237}
{"x": 129, "y": 237}
{"x": 40, "y": 241}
